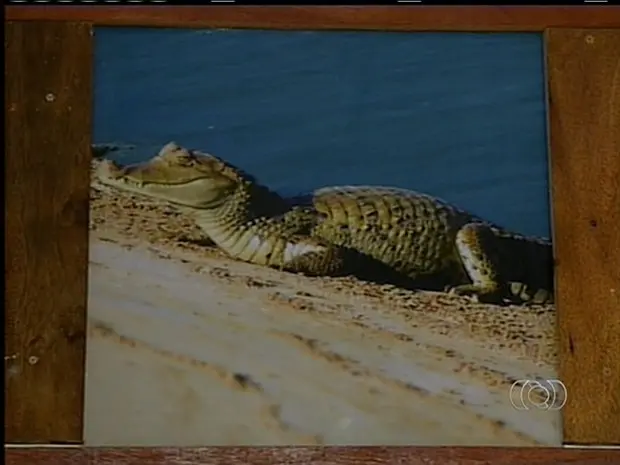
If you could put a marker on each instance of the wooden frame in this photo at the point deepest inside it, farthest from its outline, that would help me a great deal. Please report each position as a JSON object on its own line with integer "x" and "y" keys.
{"x": 49, "y": 78}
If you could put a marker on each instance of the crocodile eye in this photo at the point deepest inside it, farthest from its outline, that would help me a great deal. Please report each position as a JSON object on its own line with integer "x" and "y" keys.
{"x": 184, "y": 159}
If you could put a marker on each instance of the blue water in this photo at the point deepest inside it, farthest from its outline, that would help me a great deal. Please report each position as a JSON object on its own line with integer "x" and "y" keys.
{"x": 460, "y": 116}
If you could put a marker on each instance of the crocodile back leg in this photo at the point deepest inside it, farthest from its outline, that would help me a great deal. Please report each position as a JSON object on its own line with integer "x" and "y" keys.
{"x": 503, "y": 265}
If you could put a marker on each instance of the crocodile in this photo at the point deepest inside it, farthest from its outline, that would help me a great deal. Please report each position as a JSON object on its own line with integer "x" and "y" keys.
{"x": 340, "y": 230}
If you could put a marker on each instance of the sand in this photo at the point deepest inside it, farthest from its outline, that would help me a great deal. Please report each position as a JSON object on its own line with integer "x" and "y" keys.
{"x": 187, "y": 347}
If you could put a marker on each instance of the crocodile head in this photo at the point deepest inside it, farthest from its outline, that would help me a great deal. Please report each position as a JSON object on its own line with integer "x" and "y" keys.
{"x": 184, "y": 177}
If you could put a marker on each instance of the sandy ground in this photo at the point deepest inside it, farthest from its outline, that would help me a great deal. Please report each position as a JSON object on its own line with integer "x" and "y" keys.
{"x": 187, "y": 347}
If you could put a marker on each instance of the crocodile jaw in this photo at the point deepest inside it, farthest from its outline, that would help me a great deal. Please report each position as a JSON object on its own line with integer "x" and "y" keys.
{"x": 199, "y": 192}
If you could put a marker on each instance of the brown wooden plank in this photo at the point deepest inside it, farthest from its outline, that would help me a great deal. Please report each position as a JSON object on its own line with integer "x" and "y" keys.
{"x": 313, "y": 456}
{"x": 48, "y": 94}
{"x": 403, "y": 18}
{"x": 584, "y": 87}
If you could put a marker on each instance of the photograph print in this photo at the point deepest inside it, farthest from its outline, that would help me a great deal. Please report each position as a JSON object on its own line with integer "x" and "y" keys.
{"x": 320, "y": 238}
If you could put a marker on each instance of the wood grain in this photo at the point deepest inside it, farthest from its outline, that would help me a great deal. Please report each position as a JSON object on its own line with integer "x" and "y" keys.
{"x": 48, "y": 96}
{"x": 584, "y": 89}
{"x": 402, "y": 18}
{"x": 312, "y": 456}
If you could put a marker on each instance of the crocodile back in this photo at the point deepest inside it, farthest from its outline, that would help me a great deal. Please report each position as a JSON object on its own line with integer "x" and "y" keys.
{"x": 409, "y": 231}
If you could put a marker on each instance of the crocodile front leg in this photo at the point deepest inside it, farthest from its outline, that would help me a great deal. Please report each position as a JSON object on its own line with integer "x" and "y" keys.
{"x": 324, "y": 260}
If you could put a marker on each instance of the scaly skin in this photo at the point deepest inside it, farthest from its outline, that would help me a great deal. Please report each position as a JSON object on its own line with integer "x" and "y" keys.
{"x": 428, "y": 239}
{"x": 340, "y": 230}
